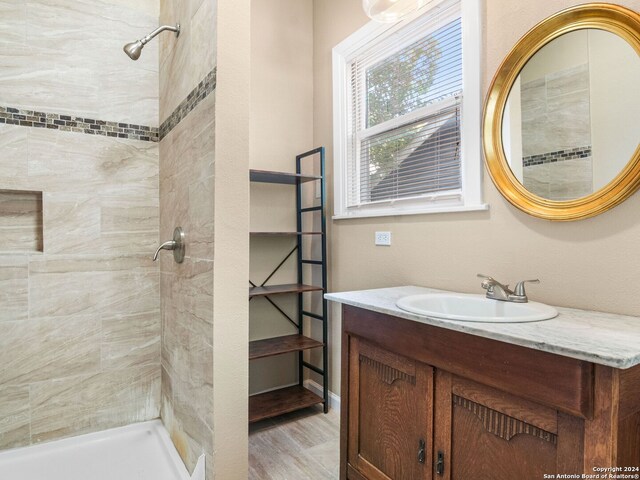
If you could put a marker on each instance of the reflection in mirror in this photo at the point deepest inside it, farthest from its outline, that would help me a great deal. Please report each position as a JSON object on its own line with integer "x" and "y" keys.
{"x": 571, "y": 120}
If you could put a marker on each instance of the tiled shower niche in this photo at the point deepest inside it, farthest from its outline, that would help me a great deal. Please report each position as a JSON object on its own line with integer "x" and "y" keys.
{"x": 20, "y": 221}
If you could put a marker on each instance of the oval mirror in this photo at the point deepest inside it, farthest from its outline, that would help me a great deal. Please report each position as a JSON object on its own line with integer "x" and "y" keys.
{"x": 562, "y": 118}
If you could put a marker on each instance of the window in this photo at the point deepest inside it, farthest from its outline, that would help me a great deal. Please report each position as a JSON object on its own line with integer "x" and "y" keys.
{"x": 407, "y": 114}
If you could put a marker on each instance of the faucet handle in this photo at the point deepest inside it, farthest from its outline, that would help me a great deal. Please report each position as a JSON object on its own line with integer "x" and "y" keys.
{"x": 519, "y": 290}
{"x": 487, "y": 281}
{"x": 169, "y": 245}
{"x": 486, "y": 277}
{"x": 490, "y": 283}
{"x": 177, "y": 245}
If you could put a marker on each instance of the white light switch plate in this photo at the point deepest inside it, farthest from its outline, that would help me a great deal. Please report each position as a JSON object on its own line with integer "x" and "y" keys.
{"x": 383, "y": 238}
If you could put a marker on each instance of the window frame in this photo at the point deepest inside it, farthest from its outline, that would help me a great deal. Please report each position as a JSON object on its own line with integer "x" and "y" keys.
{"x": 470, "y": 197}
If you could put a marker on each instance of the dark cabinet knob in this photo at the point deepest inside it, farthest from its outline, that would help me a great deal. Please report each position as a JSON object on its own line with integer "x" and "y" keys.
{"x": 421, "y": 451}
{"x": 440, "y": 464}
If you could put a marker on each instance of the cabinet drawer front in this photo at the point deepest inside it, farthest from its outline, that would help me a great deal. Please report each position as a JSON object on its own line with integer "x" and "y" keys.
{"x": 560, "y": 382}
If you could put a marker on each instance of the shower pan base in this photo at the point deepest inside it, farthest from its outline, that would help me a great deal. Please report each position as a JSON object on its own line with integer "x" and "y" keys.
{"x": 142, "y": 451}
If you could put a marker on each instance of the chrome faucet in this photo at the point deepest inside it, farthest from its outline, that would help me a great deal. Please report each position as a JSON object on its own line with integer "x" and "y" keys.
{"x": 498, "y": 291}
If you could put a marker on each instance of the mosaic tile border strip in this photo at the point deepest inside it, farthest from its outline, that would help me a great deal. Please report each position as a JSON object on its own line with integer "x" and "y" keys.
{"x": 206, "y": 86}
{"x": 69, "y": 123}
{"x": 559, "y": 156}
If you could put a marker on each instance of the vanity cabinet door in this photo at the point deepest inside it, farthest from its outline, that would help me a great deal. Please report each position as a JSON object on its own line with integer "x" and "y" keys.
{"x": 485, "y": 434}
{"x": 390, "y": 415}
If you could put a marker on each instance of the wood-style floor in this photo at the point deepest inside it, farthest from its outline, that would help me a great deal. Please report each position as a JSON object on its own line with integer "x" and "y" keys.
{"x": 297, "y": 446}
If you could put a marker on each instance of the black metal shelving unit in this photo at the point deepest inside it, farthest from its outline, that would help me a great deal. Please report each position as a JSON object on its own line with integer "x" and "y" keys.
{"x": 288, "y": 399}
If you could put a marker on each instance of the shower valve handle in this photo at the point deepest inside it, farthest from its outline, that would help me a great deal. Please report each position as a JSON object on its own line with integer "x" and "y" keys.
{"x": 170, "y": 245}
{"x": 177, "y": 245}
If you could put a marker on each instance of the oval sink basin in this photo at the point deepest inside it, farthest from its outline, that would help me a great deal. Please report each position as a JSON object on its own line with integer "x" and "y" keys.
{"x": 475, "y": 308}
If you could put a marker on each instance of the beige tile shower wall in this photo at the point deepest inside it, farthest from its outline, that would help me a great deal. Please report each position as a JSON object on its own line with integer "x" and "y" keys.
{"x": 281, "y": 128}
{"x": 187, "y": 188}
{"x": 589, "y": 264}
{"x": 186, "y": 200}
{"x": 79, "y": 321}
{"x": 185, "y": 60}
{"x": 65, "y": 56}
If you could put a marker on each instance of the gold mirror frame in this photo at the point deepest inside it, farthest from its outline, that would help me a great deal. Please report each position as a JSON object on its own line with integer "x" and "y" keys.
{"x": 612, "y": 18}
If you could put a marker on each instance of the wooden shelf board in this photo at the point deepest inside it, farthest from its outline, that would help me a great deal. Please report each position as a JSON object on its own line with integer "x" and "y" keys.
{"x": 269, "y": 347}
{"x": 280, "y": 289}
{"x": 282, "y": 234}
{"x": 265, "y": 176}
{"x": 278, "y": 402}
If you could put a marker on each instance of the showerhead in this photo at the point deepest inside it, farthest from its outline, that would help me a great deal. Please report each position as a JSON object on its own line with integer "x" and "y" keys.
{"x": 134, "y": 49}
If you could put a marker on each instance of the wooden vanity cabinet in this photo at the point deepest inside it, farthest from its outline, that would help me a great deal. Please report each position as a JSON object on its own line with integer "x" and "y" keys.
{"x": 422, "y": 402}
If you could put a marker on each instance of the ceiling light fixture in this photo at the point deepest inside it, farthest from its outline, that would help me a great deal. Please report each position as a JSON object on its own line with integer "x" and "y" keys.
{"x": 390, "y": 11}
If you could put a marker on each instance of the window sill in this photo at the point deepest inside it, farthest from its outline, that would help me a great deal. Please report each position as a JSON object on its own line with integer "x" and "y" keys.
{"x": 418, "y": 211}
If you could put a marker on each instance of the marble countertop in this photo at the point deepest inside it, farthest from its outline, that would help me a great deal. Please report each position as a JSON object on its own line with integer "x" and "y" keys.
{"x": 602, "y": 338}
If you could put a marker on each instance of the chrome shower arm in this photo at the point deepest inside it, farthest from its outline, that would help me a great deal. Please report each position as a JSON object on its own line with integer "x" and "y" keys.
{"x": 160, "y": 29}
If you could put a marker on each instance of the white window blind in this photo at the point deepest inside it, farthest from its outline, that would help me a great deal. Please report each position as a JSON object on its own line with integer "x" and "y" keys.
{"x": 404, "y": 128}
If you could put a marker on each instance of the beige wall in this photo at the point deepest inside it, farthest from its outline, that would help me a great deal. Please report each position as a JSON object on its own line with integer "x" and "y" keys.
{"x": 281, "y": 128}
{"x": 614, "y": 72}
{"x": 563, "y": 53}
{"x": 588, "y": 264}
{"x": 79, "y": 313}
{"x": 231, "y": 242}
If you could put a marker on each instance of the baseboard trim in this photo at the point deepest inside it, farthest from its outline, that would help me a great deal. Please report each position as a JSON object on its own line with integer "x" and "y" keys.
{"x": 315, "y": 387}
{"x": 274, "y": 388}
